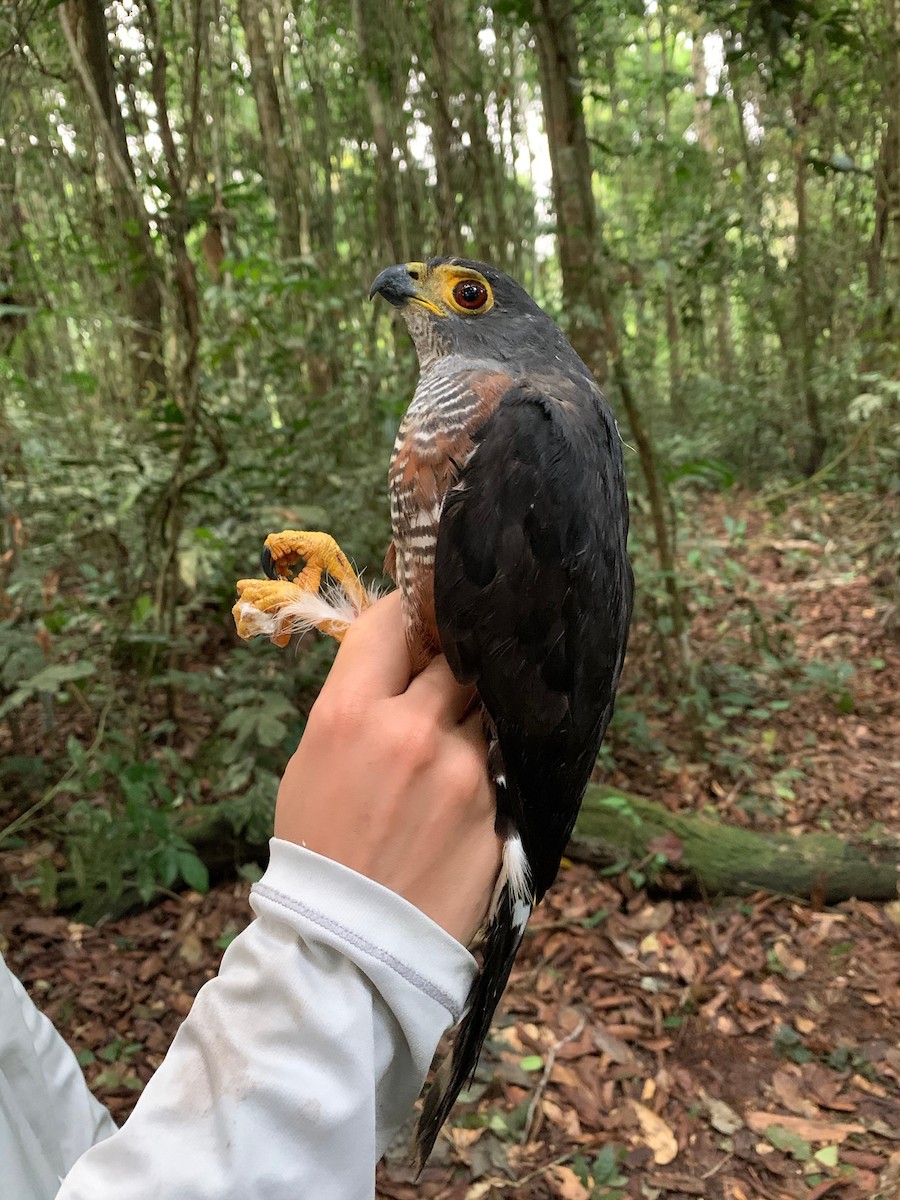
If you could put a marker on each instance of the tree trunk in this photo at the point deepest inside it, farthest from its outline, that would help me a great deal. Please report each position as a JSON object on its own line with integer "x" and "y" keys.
{"x": 815, "y": 450}
{"x": 279, "y": 173}
{"x": 884, "y": 244}
{"x": 724, "y": 340}
{"x": 16, "y": 297}
{"x": 443, "y": 24}
{"x": 573, "y": 199}
{"x": 372, "y": 36}
{"x": 753, "y": 226}
{"x": 297, "y": 146}
{"x": 614, "y": 827}
{"x": 84, "y": 26}
{"x": 324, "y": 224}
{"x": 673, "y": 328}
{"x": 655, "y": 495}
{"x": 592, "y": 329}
{"x": 188, "y": 326}
{"x": 887, "y": 198}
{"x": 482, "y": 160}
{"x": 702, "y": 105}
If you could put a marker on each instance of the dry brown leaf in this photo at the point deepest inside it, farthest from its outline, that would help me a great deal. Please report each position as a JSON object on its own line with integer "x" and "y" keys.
{"x": 650, "y": 944}
{"x": 617, "y": 1050}
{"x": 567, "y": 1185}
{"x": 810, "y": 1131}
{"x": 683, "y": 963}
{"x": 510, "y": 1037}
{"x": 651, "y": 918}
{"x": 890, "y": 1176}
{"x": 49, "y": 927}
{"x": 464, "y": 1138}
{"x": 867, "y": 1183}
{"x": 883, "y": 1130}
{"x": 793, "y": 965}
{"x": 565, "y": 1119}
{"x": 825, "y": 1086}
{"x": 824, "y": 1188}
{"x": 657, "y": 1134}
{"x": 733, "y": 1190}
{"x": 627, "y": 947}
{"x": 787, "y": 1089}
{"x": 862, "y": 1158}
{"x": 771, "y": 993}
{"x": 722, "y": 1117}
{"x": 191, "y": 949}
{"x": 181, "y": 1002}
{"x": 866, "y": 1085}
{"x": 564, "y": 1075}
{"x": 481, "y": 1189}
{"x": 726, "y": 1026}
{"x": 152, "y": 966}
{"x": 689, "y": 1185}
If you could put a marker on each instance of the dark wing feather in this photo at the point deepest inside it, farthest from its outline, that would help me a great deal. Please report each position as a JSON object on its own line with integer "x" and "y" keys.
{"x": 533, "y": 593}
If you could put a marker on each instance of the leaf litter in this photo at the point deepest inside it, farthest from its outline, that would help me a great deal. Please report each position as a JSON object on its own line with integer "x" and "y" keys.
{"x": 647, "y": 1048}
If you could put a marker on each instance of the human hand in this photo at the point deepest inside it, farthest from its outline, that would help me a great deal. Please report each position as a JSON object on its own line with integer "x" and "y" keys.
{"x": 390, "y": 777}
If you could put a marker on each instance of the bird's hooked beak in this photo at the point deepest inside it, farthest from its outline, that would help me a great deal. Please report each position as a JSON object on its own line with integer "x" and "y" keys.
{"x": 401, "y": 284}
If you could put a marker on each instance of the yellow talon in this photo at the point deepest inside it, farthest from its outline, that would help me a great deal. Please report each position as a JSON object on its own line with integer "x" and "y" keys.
{"x": 320, "y": 552}
{"x": 277, "y": 606}
{"x": 260, "y": 604}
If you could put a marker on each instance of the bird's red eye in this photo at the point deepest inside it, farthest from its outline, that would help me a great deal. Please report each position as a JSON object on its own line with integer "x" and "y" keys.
{"x": 470, "y": 294}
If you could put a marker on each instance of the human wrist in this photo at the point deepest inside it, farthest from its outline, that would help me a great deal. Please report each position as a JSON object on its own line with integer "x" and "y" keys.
{"x": 306, "y": 888}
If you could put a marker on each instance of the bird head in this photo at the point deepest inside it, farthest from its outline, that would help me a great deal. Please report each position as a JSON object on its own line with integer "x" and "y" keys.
{"x": 457, "y": 306}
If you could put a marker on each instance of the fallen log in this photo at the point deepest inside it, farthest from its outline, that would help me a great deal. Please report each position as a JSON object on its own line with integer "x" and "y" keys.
{"x": 680, "y": 852}
{"x": 617, "y": 828}
{"x": 716, "y": 859}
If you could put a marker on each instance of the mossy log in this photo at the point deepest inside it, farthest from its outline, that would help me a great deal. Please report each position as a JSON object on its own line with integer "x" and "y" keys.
{"x": 686, "y": 852}
{"x": 617, "y": 827}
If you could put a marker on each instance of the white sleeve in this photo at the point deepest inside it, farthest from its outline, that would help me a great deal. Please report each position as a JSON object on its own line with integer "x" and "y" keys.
{"x": 301, "y": 1059}
{"x": 48, "y": 1117}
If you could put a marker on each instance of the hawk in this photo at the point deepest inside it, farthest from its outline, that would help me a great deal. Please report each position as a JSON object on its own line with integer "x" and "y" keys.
{"x": 509, "y": 518}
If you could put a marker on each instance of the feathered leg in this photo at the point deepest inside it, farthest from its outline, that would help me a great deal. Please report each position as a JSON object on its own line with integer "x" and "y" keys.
{"x": 281, "y": 605}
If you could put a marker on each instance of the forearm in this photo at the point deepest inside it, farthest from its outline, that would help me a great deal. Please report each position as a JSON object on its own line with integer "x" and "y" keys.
{"x": 301, "y": 1059}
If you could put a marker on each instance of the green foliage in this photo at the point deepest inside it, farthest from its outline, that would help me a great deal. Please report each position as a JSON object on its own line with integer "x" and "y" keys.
{"x": 183, "y": 372}
{"x": 118, "y": 831}
{"x": 48, "y": 682}
{"x": 603, "y": 1177}
{"x": 115, "y": 808}
{"x": 119, "y": 1057}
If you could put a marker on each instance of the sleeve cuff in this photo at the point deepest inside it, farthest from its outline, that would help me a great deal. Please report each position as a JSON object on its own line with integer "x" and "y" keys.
{"x": 348, "y": 910}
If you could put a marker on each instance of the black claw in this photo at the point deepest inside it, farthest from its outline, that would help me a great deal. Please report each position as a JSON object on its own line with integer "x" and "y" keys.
{"x": 268, "y": 564}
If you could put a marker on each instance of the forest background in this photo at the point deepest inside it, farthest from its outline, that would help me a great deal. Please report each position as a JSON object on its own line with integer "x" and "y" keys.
{"x": 194, "y": 198}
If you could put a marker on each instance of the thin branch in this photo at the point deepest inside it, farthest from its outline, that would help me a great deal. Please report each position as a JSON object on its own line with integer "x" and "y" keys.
{"x": 531, "y": 1117}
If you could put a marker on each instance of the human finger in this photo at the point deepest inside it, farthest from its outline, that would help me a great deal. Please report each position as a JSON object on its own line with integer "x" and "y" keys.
{"x": 471, "y": 731}
{"x": 374, "y": 656}
{"x": 436, "y": 690}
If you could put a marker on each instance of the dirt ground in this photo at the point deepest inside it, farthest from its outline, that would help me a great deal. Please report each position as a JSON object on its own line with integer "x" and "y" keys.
{"x": 648, "y": 1046}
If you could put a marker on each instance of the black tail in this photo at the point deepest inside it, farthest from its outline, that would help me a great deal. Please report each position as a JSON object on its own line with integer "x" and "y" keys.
{"x": 501, "y": 943}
